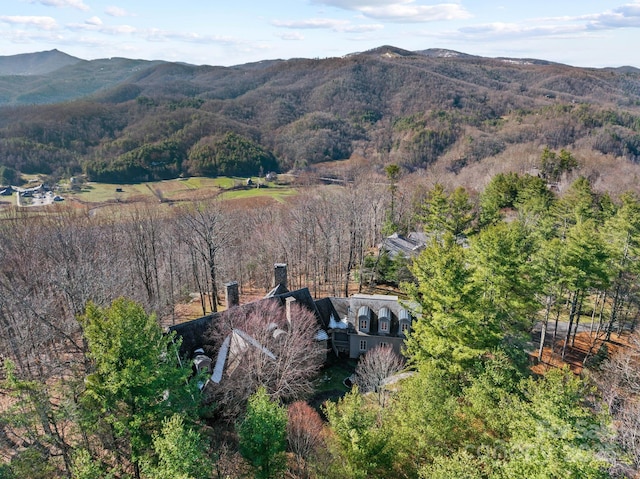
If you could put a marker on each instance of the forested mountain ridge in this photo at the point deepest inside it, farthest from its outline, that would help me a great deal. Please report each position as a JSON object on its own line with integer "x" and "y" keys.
{"x": 135, "y": 120}
{"x": 41, "y": 63}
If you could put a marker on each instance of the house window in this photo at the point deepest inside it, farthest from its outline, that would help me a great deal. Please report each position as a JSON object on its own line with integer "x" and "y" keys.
{"x": 404, "y": 327}
{"x": 363, "y": 324}
{"x": 383, "y": 344}
{"x": 363, "y": 345}
{"x": 384, "y": 326}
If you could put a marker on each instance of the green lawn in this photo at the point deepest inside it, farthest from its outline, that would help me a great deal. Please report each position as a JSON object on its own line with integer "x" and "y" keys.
{"x": 177, "y": 189}
{"x": 102, "y": 192}
{"x": 332, "y": 377}
{"x": 279, "y": 194}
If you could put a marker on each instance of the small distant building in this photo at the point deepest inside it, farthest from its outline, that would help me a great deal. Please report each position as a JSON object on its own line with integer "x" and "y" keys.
{"x": 29, "y": 192}
{"x": 407, "y": 246}
{"x": 412, "y": 244}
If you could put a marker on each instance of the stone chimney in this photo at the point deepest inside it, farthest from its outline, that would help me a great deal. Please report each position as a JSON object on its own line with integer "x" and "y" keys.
{"x": 280, "y": 274}
{"x": 288, "y": 302}
{"x": 232, "y": 296}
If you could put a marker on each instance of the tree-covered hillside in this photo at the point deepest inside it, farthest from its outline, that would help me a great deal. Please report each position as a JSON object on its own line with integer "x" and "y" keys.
{"x": 133, "y": 120}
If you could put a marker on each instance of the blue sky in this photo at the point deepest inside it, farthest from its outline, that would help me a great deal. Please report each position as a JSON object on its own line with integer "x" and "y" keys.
{"x": 214, "y": 32}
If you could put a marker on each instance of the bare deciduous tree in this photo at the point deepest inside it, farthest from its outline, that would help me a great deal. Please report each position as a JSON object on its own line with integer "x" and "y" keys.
{"x": 619, "y": 383}
{"x": 375, "y": 367}
{"x": 206, "y": 231}
{"x": 270, "y": 348}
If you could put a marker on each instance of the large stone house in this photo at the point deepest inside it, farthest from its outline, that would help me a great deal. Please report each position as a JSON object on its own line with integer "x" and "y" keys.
{"x": 349, "y": 326}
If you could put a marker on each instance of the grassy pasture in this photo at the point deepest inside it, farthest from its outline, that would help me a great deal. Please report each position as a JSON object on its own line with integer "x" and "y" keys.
{"x": 280, "y": 194}
{"x": 116, "y": 199}
{"x": 187, "y": 189}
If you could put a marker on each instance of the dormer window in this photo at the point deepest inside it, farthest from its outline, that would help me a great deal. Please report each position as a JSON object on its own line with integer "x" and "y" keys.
{"x": 405, "y": 321}
{"x": 364, "y": 319}
{"x": 384, "y": 320}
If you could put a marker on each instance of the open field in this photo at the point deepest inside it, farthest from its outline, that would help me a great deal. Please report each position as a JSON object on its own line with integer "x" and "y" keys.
{"x": 279, "y": 194}
{"x": 105, "y": 197}
{"x": 180, "y": 189}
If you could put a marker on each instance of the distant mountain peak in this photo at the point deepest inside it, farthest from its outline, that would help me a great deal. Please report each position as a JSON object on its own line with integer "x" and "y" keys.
{"x": 39, "y": 63}
{"x": 387, "y": 51}
{"x": 444, "y": 53}
{"x": 525, "y": 61}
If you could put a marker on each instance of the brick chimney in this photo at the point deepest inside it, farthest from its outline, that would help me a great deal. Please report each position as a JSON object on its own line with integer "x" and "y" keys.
{"x": 280, "y": 274}
{"x": 232, "y": 296}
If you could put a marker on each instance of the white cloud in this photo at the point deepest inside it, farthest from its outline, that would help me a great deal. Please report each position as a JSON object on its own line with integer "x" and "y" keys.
{"x": 114, "y": 11}
{"x": 357, "y": 4}
{"x": 93, "y": 21}
{"x": 625, "y": 16}
{"x": 326, "y": 23}
{"x": 401, "y": 11}
{"x": 311, "y": 23}
{"x": 498, "y": 31}
{"x": 291, "y": 36}
{"x": 157, "y": 35}
{"x": 407, "y": 12}
{"x": 43, "y": 23}
{"x": 79, "y": 4}
{"x": 94, "y": 24}
{"x": 371, "y": 27}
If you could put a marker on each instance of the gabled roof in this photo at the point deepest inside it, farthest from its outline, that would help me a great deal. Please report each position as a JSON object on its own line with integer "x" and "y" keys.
{"x": 231, "y": 351}
{"x": 304, "y": 298}
{"x": 338, "y": 307}
{"x": 193, "y": 333}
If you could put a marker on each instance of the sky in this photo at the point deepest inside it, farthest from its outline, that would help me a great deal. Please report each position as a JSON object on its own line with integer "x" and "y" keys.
{"x": 584, "y": 33}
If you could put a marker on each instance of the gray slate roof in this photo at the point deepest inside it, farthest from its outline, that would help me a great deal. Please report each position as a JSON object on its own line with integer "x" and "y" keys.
{"x": 194, "y": 333}
{"x": 408, "y": 246}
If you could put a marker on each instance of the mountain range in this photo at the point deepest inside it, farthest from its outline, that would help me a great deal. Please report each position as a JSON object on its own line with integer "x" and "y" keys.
{"x": 120, "y": 119}
{"x": 53, "y": 76}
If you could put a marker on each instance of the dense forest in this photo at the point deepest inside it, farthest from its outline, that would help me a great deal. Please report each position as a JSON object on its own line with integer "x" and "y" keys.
{"x": 129, "y": 121}
{"x": 91, "y": 387}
